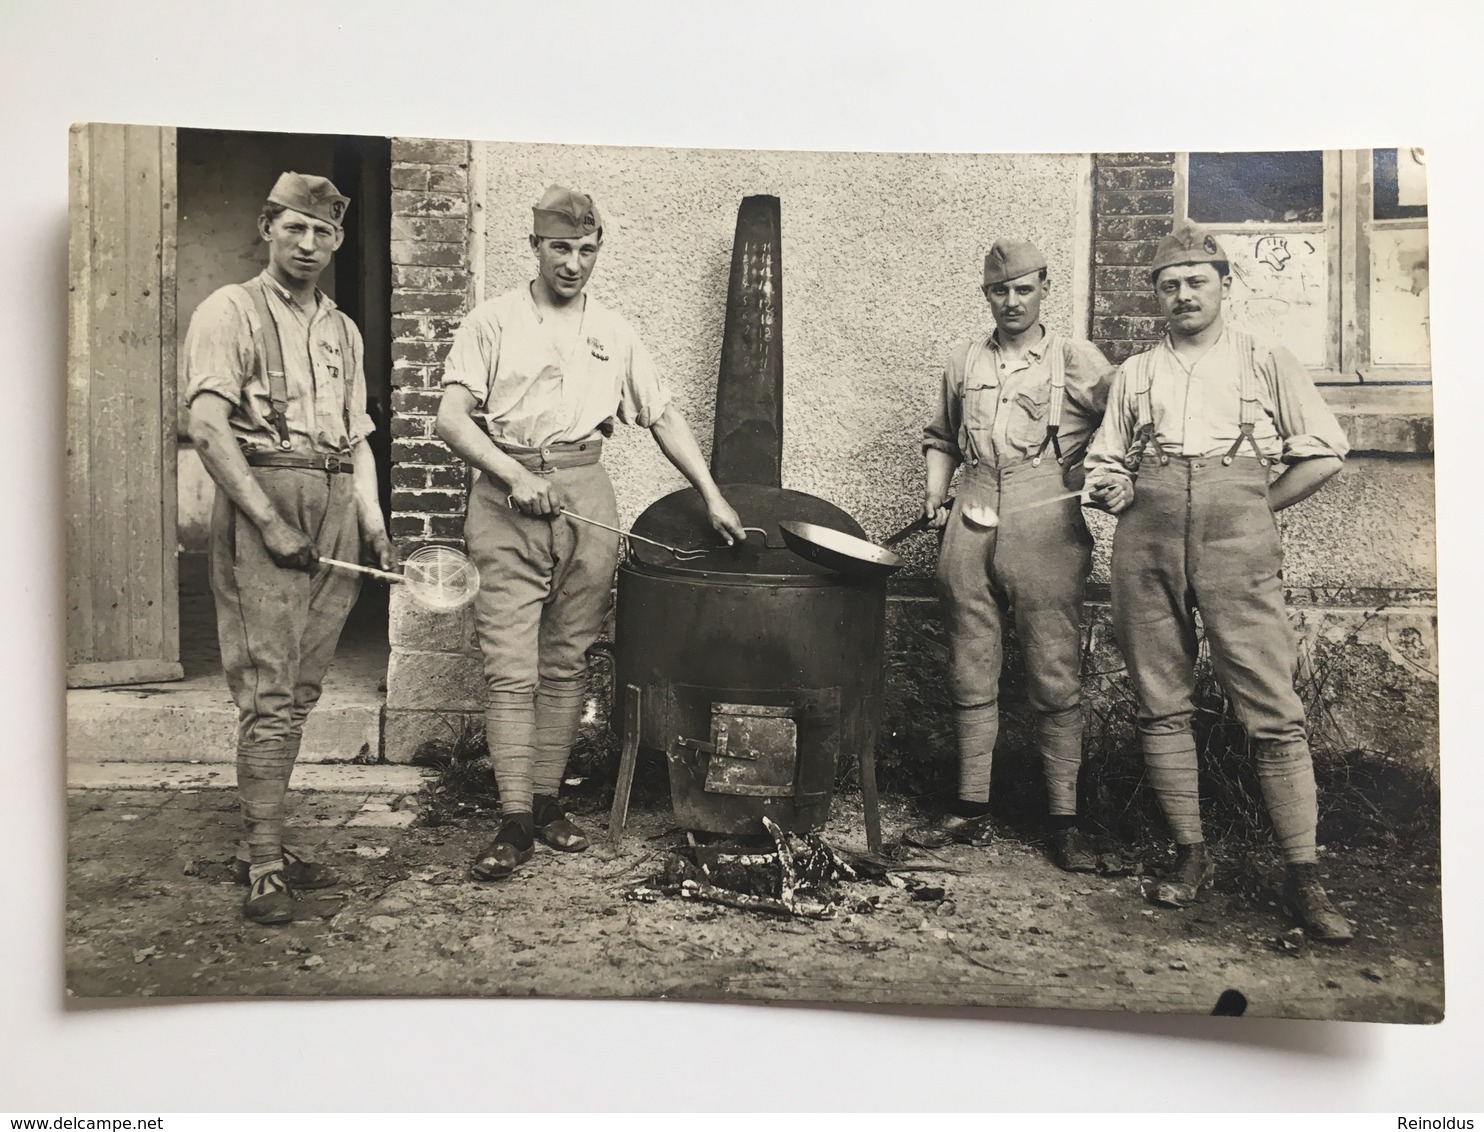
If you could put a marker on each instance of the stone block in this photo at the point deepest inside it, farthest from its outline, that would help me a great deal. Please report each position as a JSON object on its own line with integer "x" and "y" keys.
{"x": 435, "y": 681}
{"x": 405, "y": 731}
{"x": 415, "y": 628}
{"x": 430, "y": 229}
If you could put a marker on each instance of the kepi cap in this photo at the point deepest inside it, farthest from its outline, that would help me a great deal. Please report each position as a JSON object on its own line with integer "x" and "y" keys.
{"x": 1188, "y": 243}
{"x": 1010, "y": 259}
{"x": 311, "y": 195}
{"x": 565, "y": 214}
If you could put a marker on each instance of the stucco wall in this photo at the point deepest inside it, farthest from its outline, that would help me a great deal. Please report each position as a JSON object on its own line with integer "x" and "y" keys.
{"x": 882, "y": 257}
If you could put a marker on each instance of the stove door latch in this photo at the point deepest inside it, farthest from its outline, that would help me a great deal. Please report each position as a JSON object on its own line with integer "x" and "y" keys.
{"x": 718, "y": 747}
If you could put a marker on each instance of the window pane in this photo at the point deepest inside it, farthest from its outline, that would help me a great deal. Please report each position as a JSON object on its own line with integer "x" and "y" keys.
{"x": 1399, "y": 184}
{"x": 1231, "y": 188}
{"x": 1280, "y": 286}
{"x": 1400, "y": 330}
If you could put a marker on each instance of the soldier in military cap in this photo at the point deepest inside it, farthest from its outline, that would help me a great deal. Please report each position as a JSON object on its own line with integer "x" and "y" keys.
{"x": 1195, "y": 427}
{"x": 277, "y": 401}
{"x": 1015, "y": 409}
{"x": 531, "y": 386}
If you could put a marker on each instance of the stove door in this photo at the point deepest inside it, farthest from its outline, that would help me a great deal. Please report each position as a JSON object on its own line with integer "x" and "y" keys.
{"x": 754, "y": 750}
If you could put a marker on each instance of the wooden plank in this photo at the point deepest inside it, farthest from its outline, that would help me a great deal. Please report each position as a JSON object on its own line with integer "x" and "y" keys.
{"x": 169, "y": 422}
{"x": 140, "y": 377}
{"x": 1352, "y": 342}
{"x": 108, "y": 478}
{"x": 79, "y": 343}
{"x": 100, "y": 674}
{"x": 1333, "y": 184}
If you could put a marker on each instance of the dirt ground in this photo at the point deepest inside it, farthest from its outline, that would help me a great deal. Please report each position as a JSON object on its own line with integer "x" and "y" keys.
{"x": 152, "y": 911}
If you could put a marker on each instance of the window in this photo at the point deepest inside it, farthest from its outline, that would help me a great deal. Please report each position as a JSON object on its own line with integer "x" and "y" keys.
{"x": 1328, "y": 252}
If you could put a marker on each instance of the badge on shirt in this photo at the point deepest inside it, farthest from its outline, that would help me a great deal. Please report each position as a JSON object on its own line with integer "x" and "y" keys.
{"x": 597, "y": 348}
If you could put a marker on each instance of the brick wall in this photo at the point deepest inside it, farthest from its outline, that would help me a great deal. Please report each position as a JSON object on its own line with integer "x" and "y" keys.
{"x": 1133, "y": 205}
{"x": 432, "y": 288}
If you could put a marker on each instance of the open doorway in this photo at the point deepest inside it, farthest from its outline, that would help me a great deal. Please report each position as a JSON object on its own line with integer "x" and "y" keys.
{"x": 223, "y": 177}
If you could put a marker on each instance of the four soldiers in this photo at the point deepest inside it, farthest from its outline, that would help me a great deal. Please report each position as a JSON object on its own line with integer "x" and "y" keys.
{"x": 277, "y": 400}
{"x": 533, "y": 383}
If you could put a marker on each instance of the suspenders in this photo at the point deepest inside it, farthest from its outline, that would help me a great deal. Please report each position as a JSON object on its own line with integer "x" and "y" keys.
{"x": 1056, "y": 352}
{"x": 1058, "y": 396}
{"x": 1143, "y": 377}
{"x": 272, "y": 364}
{"x": 1247, "y": 355}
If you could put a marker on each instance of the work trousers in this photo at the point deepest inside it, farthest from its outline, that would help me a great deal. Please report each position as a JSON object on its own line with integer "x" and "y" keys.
{"x": 1201, "y": 535}
{"x": 278, "y": 628}
{"x": 1031, "y": 569}
{"x": 545, "y": 584}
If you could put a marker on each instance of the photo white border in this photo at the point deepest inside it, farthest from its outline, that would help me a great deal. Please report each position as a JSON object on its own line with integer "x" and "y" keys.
{"x": 793, "y": 75}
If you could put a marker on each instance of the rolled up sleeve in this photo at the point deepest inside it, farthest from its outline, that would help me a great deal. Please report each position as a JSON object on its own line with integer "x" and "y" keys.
{"x": 472, "y": 356}
{"x": 361, "y": 424}
{"x": 1108, "y": 452}
{"x": 942, "y": 431}
{"x": 1089, "y": 378}
{"x": 645, "y": 396}
{"x": 1304, "y": 421}
{"x": 218, "y": 353}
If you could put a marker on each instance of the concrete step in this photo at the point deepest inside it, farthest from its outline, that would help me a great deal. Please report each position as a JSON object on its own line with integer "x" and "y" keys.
{"x": 334, "y": 778}
{"x": 195, "y": 720}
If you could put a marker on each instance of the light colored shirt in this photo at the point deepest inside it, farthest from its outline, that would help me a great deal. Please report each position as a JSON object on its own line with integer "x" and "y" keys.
{"x": 223, "y": 355}
{"x": 1198, "y": 411}
{"x": 993, "y": 408}
{"x": 538, "y": 384}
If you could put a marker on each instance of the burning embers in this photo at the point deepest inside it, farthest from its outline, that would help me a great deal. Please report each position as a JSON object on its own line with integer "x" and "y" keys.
{"x": 801, "y": 876}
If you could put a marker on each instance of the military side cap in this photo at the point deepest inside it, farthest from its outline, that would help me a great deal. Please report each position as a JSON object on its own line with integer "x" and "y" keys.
{"x": 311, "y": 195}
{"x": 565, "y": 214}
{"x": 1010, "y": 259}
{"x": 1188, "y": 243}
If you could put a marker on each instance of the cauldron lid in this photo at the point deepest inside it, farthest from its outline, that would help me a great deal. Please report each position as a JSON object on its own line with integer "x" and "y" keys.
{"x": 679, "y": 519}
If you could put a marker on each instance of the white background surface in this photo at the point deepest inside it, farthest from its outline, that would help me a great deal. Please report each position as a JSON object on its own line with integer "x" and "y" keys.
{"x": 918, "y": 76}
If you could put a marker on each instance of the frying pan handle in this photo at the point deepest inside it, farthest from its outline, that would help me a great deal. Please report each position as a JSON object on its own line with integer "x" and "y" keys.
{"x": 766, "y": 544}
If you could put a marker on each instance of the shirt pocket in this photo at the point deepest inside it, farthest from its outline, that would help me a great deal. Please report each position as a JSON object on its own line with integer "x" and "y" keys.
{"x": 1029, "y": 412}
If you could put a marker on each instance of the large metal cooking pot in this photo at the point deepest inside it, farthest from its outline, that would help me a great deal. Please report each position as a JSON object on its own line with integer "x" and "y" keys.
{"x": 757, "y": 670}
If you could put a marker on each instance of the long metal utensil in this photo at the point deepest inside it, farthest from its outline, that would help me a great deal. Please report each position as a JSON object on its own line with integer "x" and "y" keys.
{"x": 682, "y": 554}
{"x": 385, "y": 575}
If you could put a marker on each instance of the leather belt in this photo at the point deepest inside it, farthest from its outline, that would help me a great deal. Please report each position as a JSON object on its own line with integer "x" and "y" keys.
{"x": 317, "y": 462}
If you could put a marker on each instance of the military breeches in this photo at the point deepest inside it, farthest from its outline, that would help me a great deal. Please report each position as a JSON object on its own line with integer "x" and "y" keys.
{"x": 1201, "y": 535}
{"x": 545, "y": 584}
{"x": 1033, "y": 569}
{"x": 278, "y": 628}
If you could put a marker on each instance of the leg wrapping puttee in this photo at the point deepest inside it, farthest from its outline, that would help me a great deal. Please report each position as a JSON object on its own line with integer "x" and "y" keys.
{"x": 559, "y": 705}
{"x": 1061, "y": 758}
{"x": 1286, "y": 774}
{"x": 1176, "y": 782}
{"x": 510, "y": 734}
{"x": 978, "y": 728}
{"x": 263, "y": 774}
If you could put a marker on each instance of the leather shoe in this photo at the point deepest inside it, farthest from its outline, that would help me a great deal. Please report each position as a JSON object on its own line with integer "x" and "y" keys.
{"x": 555, "y": 828}
{"x": 1070, "y": 850}
{"x": 511, "y": 848}
{"x": 299, "y": 873}
{"x": 269, "y": 900}
{"x": 1305, "y": 900}
{"x": 1193, "y": 871}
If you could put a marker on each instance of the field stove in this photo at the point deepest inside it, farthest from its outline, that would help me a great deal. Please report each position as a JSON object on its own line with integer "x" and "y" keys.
{"x": 753, "y": 670}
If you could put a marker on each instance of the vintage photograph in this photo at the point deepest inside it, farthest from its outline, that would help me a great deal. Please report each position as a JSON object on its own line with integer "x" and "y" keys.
{"x": 510, "y": 569}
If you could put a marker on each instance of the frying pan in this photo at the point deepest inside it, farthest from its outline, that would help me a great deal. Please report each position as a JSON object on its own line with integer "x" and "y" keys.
{"x": 848, "y": 554}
